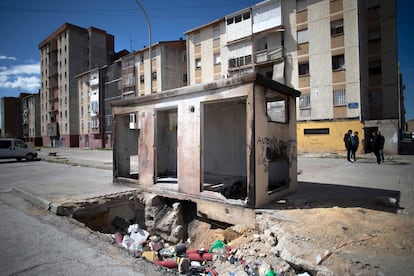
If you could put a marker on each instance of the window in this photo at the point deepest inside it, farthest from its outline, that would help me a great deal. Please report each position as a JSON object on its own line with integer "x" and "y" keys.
{"x": 5, "y": 144}
{"x": 304, "y": 101}
{"x": 20, "y": 144}
{"x": 154, "y": 75}
{"x": 375, "y": 67}
{"x": 198, "y": 63}
{"x": 276, "y": 111}
{"x": 129, "y": 80}
{"x": 304, "y": 68}
{"x": 240, "y": 61}
{"x": 142, "y": 58}
{"x": 141, "y": 79}
{"x": 337, "y": 27}
{"x": 238, "y": 19}
{"x": 374, "y": 35}
{"x": 339, "y": 97}
{"x": 216, "y": 33}
{"x": 301, "y": 5}
{"x": 302, "y": 36}
{"x": 375, "y": 97}
{"x": 308, "y": 131}
{"x": 94, "y": 107}
{"x": 197, "y": 38}
{"x": 373, "y": 4}
{"x": 217, "y": 59}
{"x": 338, "y": 62}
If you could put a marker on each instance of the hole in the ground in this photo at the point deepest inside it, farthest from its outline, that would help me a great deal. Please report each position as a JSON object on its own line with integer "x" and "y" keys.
{"x": 174, "y": 233}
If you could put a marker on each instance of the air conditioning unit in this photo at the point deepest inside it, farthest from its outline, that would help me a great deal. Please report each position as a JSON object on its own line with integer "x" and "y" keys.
{"x": 224, "y": 76}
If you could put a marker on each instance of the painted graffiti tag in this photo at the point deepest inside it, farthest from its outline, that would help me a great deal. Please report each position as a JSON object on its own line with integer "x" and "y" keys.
{"x": 273, "y": 149}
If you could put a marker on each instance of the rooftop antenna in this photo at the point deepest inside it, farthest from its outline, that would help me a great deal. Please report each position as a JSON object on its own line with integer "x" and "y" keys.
{"x": 130, "y": 42}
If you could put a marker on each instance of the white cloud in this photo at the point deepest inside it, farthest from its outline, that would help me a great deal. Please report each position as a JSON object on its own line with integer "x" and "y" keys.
{"x": 22, "y": 69}
{"x": 6, "y": 57}
{"x": 25, "y": 77}
{"x": 23, "y": 83}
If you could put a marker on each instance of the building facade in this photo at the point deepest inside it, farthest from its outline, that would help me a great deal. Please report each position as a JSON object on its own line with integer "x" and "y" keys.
{"x": 30, "y": 108}
{"x": 67, "y": 52}
{"x": 11, "y": 117}
{"x": 112, "y": 90}
{"x": 341, "y": 55}
{"x": 167, "y": 69}
{"x": 128, "y": 77}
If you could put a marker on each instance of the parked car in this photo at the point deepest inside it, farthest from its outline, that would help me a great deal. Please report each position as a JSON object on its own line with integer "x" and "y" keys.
{"x": 11, "y": 148}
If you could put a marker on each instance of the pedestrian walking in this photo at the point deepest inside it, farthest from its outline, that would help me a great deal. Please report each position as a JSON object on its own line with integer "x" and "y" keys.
{"x": 382, "y": 142}
{"x": 354, "y": 145}
{"x": 376, "y": 144}
{"x": 348, "y": 144}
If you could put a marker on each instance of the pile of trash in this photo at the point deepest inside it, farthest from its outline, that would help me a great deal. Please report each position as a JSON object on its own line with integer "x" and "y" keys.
{"x": 218, "y": 258}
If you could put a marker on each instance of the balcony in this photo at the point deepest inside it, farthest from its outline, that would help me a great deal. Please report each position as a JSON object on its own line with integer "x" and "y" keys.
{"x": 269, "y": 55}
{"x": 240, "y": 63}
{"x": 95, "y": 125}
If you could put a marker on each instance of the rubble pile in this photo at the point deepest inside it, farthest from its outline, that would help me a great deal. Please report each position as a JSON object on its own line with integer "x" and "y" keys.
{"x": 169, "y": 234}
{"x": 236, "y": 250}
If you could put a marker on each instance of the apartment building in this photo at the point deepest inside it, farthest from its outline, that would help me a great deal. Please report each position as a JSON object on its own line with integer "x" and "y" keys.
{"x": 112, "y": 90}
{"x": 67, "y": 52}
{"x": 30, "y": 108}
{"x": 11, "y": 116}
{"x": 88, "y": 89}
{"x": 129, "y": 76}
{"x": 341, "y": 55}
{"x": 167, "y": 69}
{"x": 21, "y": 118}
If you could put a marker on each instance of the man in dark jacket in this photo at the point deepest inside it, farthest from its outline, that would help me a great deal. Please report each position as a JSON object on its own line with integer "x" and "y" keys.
{"x": 382, "y": 142}
{"x": 355, "y": 144}
{"x": 348, "y": 144}
{"x": 376, "y": 146}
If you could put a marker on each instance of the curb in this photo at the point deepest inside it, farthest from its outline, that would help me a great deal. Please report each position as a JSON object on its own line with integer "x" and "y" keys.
{"x": 37, "y": 200}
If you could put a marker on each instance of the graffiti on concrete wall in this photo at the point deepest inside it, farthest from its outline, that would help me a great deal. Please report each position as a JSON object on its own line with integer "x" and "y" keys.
{"x": 272, "y": 149}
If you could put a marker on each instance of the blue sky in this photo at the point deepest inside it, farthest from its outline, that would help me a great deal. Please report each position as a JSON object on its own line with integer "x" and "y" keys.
{"x": 25, "y": 23}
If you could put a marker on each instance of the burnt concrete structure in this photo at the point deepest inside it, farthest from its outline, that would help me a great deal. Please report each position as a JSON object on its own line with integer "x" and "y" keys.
{"x": 225, "y": 145}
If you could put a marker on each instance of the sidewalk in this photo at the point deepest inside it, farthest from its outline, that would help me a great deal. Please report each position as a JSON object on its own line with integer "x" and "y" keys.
{"x": 87, "y": 179}
{"x": 100, "y": 159}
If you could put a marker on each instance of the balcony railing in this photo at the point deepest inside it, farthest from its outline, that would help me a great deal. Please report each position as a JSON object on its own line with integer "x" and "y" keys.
{"x": 269, "y": 55}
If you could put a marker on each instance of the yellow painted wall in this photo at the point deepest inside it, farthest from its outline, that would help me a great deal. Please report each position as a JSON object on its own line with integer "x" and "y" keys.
{"x": 327, "y": 143}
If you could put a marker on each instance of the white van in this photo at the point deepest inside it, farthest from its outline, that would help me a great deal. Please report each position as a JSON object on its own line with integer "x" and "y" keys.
{"x": 16, "y": 149}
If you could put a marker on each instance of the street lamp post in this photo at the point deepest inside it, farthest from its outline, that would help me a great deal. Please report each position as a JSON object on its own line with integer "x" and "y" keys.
{"x": 149, "y": 40}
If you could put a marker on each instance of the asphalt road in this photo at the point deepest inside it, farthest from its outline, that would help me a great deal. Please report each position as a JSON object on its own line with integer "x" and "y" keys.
{"x": 36, "y": 242}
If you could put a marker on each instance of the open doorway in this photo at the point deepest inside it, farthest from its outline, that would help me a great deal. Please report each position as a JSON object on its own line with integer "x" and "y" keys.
{"x": 224, "y": 161}
{"x": 126, "y": 146}
{"x": 366, "y": 141}
{"x": 166, "y": 146}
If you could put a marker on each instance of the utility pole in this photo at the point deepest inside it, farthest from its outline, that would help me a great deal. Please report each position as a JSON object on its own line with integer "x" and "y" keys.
{"x": 149, "y": 41}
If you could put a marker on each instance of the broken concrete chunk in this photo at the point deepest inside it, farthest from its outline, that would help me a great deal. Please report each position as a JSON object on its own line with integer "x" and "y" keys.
{"x": 386, "y": 201}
